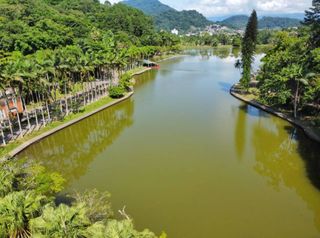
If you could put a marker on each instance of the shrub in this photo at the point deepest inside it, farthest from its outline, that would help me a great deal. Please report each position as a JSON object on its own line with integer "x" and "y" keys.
{"x": 125, "y": 81}
{"x": 27, "y": 208}
{"x": 116, "y": 91}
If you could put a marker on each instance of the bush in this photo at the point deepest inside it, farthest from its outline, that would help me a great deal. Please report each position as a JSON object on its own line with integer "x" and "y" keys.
{"x": 254, "y": 91}
{"x": 116, "y": 91}
{"x": 125, "y": 81}
{"x": 28, "y": 208}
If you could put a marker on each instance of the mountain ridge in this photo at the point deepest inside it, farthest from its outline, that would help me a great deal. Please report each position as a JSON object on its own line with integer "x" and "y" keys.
{"x": 149, "y": 7}
{"x": 168, "y": 18}
{"x": 265, "y": 22}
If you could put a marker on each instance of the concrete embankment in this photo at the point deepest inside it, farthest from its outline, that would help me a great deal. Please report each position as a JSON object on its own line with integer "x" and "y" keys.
{"x": 308, "y": 130}
{"x": 30, "y": 142}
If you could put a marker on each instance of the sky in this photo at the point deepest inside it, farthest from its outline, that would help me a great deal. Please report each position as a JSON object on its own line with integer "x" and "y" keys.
{"x": 211, "y": 8}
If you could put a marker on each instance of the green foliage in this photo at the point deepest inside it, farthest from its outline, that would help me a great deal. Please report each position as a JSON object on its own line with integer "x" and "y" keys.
{"x": 280, "y": 66}
{"x": 290, "y": 75}
{"x": 126, "y": 81}
{"x": 286, "y": 79}
{"x": 150, "y": 7}
{"x": 116, "y": 91}
{"x": 248, "y": 49}
{"x": 27, "y": 208}
{"x": 312, "y": 20}
{"x": 211, "y": 40}
{"x": 16, "y": 211}
{"x": 53, "y": 49}
{"x": 167, "y": 18}
{"x": 266, "y": 36}
{"x": 183, "y": 21}
{"x": 61, "y": 221}
{"x": 236, "y": 41}
{"x": 98, "y": 207}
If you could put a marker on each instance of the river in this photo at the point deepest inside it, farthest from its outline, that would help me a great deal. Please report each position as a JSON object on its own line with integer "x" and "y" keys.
{"x": 187, "y": 158}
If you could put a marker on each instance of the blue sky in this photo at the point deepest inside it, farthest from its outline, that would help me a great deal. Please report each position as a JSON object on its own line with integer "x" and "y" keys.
{"x": 228, "y": 7}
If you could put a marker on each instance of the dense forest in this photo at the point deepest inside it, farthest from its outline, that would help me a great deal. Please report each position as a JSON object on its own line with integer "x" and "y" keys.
{"x": 149, "y": 7}
{"x": 56, "y": 56}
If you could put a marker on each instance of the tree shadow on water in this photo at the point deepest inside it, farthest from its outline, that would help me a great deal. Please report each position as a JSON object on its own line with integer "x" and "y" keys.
{"x": 253, "y": 111}
{"x": 225, "y": 87}
{"x": 310, "y": 153}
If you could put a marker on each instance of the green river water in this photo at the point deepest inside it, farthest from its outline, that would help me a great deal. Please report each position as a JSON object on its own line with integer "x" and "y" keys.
{"x": 187, "y": 158}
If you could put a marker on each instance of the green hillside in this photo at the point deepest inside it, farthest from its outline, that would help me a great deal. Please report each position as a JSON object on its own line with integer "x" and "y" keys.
{"x": 240, "y": 22}
{"x": 278, "y": 22}
{"x": 32, "y": 25}
{"x": 150, "y": 7}
{"x": 236, "y": 22}
{"x": 167, "y": 18}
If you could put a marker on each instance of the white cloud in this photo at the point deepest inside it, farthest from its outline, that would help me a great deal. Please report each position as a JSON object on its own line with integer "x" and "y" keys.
{"x": 221, "y": 7}
{"x": 225, "y": 7}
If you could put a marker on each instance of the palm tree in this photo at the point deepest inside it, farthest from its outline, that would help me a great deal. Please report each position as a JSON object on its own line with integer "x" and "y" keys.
{"x": 16, "y": 210}
{"x": 63, "y": 221}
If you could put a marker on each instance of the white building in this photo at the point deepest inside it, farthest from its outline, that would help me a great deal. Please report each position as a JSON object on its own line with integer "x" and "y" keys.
{"x": 175, "y": 31}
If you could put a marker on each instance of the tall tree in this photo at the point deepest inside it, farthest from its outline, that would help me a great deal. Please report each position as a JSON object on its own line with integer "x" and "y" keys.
{"x": 248, "y": 48}
{"x": 312, "y": 19}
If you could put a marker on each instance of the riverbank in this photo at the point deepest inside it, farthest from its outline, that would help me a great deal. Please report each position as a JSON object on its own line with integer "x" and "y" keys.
{"x": 16, "y": 147}
{"x": 308, "y": 129}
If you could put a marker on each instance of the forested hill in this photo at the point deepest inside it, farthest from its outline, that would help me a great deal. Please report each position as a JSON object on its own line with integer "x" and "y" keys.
{"x": 278, "y": 22}
{"x": 240, "y": 22}
{"x": 150, "y": 7}
{"x": 28, "y": 26}
{"x": 167, "y": 18}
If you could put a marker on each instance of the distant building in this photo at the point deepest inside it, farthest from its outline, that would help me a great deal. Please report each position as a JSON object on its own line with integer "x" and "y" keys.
{"x": 175, "y": 31}
{"x": 9, "y": 103}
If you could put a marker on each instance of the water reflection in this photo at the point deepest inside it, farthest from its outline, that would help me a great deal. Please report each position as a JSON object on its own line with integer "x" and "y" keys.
{"x": 277, "y": 161}
{"x": 205, "y": 54}
{"x": 240, "y": 131}
{"x": 71, "y": 150}
{"x": 145, "y": 78}
{"x": 235, "y": 52}
{"x": 222, "y": 52}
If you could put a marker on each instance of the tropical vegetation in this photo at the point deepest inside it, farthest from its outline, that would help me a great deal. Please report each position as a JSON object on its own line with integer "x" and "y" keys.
{"x": 58, "y": 56}
{"x": 290, "y": 75}
{"x": 289, "y": 79}
{"x": 29, "y": 207}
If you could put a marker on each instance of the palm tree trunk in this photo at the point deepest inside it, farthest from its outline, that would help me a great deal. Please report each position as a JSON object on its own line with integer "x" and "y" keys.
{"x": 36, "y": 116}
{"x": 41, "y": 109}
{"x": 3, "y": 136}
{"x": 8, "y": 111}
{"x": 66, "y": 98}
{"x": 25, "y": 106}
{"x": 95, "y": 91}
{"x": 47, "y": 107}
{"x": 14, "y": 99}
{"x": 295, "y": 106}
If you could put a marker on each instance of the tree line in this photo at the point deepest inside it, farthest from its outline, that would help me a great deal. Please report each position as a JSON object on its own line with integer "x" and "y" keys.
{"x": 59, "y": 55}
{"x": 289, "y": 78}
